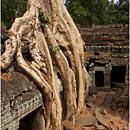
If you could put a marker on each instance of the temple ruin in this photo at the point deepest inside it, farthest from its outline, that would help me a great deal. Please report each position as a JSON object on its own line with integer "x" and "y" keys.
{"x": 106, "y": 54}
{"x": 21, "y": 103}
{"x": 106, "y": 60}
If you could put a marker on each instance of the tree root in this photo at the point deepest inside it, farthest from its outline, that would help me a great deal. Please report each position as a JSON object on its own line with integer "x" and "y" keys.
{"x": 68, "y": 61}
{"x": 10, "y": 49}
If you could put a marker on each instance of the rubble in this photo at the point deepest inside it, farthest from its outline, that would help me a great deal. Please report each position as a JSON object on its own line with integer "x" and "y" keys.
{"x": 92, "y": 90}
{"x": 85, "y": 120}
{"x": 101, "y": 119}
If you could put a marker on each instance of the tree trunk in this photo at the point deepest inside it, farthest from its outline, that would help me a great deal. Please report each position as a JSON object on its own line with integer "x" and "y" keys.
{"x": 112, "y": 2}
{"x": 56, "y": 48}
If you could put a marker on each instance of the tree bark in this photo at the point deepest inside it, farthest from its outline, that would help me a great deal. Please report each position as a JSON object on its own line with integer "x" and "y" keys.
{"x": 60, "y": 52}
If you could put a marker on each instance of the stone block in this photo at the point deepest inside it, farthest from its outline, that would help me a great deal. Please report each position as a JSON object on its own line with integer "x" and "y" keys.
{"x": 108, "y": 99}
{"x": 85, "y": 120}
{"x": 92, "y": 90}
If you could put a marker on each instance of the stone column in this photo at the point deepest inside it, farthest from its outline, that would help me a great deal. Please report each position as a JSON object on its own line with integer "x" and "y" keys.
{"x": 107, "y": 81}
{"x": 92, "y": 78}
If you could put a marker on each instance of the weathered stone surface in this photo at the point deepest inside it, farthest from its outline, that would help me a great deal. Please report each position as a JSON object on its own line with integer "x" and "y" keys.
{"x": 108, "y": 99}
{"x": 100, "y": 127}
{"x": 90, "y": 105}
{"x": 99, "y": 36}
{"x": 101, "y": 119}
{"x": 68, "y": 125}
{"x": 19, "y": 98}
{"x": 86, "y": 128}
{"x": 113, "y": 126}
{"x": 103, "y": 111}
{"x": 92, "y": 90}
{"x": 85, "y": 120}
{"x": 118, "y": 94}
{"x": 90, "y": 99}
{"x": 105, "y": 46}
{"x": 118, "y": 85}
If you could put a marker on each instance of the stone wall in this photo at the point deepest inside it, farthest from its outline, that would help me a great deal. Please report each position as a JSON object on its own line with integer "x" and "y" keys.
{"x": 105, "y": 47}
{"x": 106, "y": 35}
{"x": 19, "y": 100}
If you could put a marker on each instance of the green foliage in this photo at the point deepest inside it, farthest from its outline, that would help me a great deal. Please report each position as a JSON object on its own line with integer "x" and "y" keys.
{"x": 102, "y": 9}
{"x": 88, "y": 12}
{"x": 46, "y": 36}
{"x": 122, "y": 12}
{"x": 11, "y": 9}
{"x": 43, "y": 18}
{"x": 98, "y": 12}
{"x": 56, "y": 48}
{"x": 78, "y": 12}
{"x": 11, "y": 69}
{"x": 120, "y": 15}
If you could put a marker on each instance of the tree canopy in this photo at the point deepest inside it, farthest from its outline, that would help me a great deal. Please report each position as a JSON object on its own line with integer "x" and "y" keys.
{"x": 122, "y": 12}
{"x": 12, "y": 9}
{"x": 98, "y": 12}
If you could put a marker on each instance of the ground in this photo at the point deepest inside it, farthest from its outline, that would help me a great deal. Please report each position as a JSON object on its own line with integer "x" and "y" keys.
{"x": 100, "y": 116}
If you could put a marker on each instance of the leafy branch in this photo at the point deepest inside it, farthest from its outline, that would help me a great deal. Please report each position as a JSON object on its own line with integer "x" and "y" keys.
{"x": 56, "y": 48}
{"x": 43, "y": 18}
{"x": 46, "y": 36}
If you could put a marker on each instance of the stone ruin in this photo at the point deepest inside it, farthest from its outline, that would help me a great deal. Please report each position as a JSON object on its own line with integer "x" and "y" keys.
{"x": 106, "y": 54}
{"x": 106, "y": 60}
{"x": 20, "y": 102}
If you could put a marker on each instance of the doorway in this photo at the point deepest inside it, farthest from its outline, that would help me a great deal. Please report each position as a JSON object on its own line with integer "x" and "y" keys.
{"x": 99, "y": 79}
{"x": 118, "y": 75}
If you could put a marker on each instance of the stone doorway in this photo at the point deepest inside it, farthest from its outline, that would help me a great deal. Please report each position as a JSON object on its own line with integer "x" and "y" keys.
{"x": 99, "y": 78}
{"x": 87, "y": 67}
{"x": 118, "y": 76}
{"x": 33, "y": 121}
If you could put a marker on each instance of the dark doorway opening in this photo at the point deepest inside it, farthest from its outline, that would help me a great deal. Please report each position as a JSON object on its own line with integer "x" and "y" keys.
{"x": 118, "y": 75}
{"x": 87, "y": 67}
{"x": 99, "y": 79}
{"x": 25, "y": 123}
{"x": 32, "y": 121}
{"x": 96, "y": 53}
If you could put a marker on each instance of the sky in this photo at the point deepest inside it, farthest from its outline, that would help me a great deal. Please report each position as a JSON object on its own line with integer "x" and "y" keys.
{"x": 115, "y": 1}
{"x": 109, "y": 0}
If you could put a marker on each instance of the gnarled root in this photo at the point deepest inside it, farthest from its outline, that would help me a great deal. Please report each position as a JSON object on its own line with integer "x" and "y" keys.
{"x": 66, "y": 75}
{"x": 44, "y": 87}
{"x": 10, "y": 49}
{"x": 87, "y": 83}
{"x": 68, "y": 61}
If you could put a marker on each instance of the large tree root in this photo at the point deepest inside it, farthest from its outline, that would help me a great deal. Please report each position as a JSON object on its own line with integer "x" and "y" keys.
{"x": 68, "y": 61}
{"x": 10, "y": 49}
